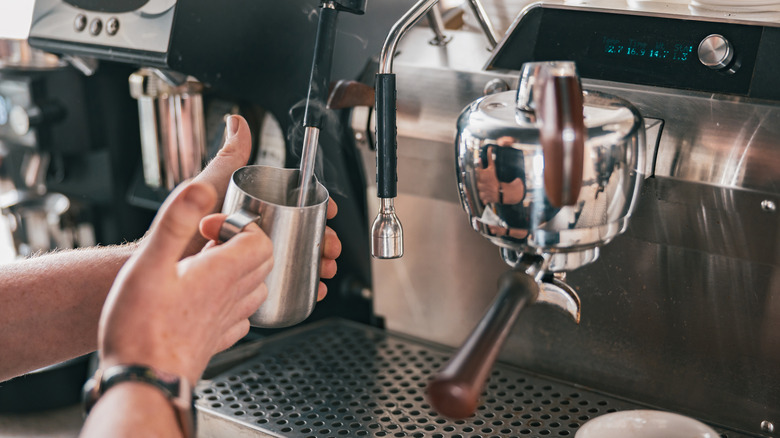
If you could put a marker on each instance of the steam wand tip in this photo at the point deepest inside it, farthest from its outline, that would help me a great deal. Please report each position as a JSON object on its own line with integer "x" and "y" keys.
{"x": 387, "y": 235}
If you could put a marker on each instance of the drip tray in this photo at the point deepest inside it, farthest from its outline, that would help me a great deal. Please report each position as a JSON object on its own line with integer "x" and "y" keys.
{"x": 338, "y": 378}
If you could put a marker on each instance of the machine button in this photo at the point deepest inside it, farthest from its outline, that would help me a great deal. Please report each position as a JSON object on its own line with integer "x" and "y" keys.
{"x": 95, "y": 27}
{"x": 80, "y": 23}
{"x": 112, "y": 26}
{"x": 716, "y": 52}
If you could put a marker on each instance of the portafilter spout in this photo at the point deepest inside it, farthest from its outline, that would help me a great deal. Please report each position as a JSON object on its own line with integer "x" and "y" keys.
{"x": 454, "y": 391}
{"x": 317, "y": 96}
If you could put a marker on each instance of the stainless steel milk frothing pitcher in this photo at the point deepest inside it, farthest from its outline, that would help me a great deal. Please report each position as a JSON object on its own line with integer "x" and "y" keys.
{"x": 269, "y": 196}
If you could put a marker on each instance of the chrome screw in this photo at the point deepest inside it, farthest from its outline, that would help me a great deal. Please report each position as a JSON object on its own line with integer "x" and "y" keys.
{"x": 768, "y": 206}
{"x": 495, "y": 86}
{"x": 767, "y": 426}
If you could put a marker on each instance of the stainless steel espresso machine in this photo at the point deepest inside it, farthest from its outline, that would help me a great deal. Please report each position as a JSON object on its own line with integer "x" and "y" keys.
{"x": 678, "y": 311}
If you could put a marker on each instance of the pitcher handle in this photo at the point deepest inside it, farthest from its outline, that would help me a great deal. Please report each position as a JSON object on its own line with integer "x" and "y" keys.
{"x": 235, "y": 223}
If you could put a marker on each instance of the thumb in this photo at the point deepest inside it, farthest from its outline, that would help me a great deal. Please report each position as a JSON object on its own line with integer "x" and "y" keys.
{"x": 176, "y": 223}
{"x": 233, "y": 154}
{"x": 491, "y": 161}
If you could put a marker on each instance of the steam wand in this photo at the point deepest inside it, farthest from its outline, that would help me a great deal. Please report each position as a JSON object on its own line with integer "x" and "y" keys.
{"x": 387, "y": 235}
{"x": 387, "y": 240}
{"x": 318, "y": 85}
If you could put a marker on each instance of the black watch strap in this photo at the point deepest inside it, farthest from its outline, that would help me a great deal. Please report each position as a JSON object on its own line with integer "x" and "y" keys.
{"x": 175, "y": 388}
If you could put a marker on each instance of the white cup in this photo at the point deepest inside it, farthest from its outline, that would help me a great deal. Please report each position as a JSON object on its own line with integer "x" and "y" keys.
{"x": 645, "y": 424}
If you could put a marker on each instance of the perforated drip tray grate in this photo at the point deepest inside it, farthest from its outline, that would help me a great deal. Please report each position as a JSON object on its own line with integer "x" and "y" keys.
{"x": 338, "y": 378}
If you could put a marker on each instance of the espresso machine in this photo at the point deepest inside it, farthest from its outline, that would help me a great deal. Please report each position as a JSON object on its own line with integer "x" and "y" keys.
{"x": 677, "y": 313}
{"x": 677, "y": 304}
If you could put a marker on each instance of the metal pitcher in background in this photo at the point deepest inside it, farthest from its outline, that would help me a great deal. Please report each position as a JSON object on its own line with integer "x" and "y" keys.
{"x": 173, "y": 132}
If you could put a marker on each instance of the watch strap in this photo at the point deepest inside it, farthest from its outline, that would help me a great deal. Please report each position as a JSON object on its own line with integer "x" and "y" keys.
{"x": 175, "y": 388}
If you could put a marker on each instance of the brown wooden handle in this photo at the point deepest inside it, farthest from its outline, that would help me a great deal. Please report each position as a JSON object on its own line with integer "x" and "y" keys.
{"x": 349, "y": 94}
{"x": 454, "y": 391}
{"x": 559, "y": 106}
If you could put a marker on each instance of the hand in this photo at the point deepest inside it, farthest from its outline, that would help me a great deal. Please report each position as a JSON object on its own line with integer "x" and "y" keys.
{"x": 331, "y": 245}
{"x": 513, "y": 191}
{"x": 174, "y": 315}
{"x": 492, "y": 190}
{"x": 487, "y": 181}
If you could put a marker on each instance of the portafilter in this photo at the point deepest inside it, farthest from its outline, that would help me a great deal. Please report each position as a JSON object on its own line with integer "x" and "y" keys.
{"x": 549, "y": 173}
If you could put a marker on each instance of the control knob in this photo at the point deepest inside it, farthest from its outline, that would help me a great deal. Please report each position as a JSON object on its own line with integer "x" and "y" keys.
{"x": 717, "y": 53}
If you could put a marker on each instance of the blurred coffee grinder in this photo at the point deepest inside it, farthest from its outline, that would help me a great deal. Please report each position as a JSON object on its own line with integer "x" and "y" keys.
{"x": 38, "y": 219}
{"x": 64, "y": 152}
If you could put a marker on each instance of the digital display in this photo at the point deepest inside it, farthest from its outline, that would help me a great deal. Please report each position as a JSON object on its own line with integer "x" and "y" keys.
{"x": 653, "y": 49}
{"x": 111, "y": 7}
{"x": 646, "y": 50}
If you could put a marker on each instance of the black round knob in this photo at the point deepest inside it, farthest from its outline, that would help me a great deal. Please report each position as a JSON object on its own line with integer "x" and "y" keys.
{"x": 95, "y": 27}
{"x": 80, "y": 22}
{"x": 112, "y": 26}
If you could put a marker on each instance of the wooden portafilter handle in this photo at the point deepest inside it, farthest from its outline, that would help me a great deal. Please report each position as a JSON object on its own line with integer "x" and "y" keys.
{"x": 454, "y": 391}
{"x": 562, "y": 134}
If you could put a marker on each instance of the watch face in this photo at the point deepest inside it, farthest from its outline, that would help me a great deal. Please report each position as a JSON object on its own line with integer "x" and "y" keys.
{"x": 113, "y": 6}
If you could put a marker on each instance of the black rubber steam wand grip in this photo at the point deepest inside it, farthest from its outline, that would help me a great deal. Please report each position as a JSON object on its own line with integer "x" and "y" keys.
{"x": 454, "y": 391}
{"x": 386, "y": 136}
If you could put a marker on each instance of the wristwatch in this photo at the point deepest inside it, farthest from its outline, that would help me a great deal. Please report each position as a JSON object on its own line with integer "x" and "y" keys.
{"x": 175, "y": 388}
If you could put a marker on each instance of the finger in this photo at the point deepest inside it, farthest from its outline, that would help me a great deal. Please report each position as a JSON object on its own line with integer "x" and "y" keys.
{"x": 491, "y": 161}
{"x": 233, "y": 335}
{"x": 176, "y": 223}
{"x": 249, "y": 304}
{"x": 209, "y": 244}
{"x": 333, "y": 208}
{"x": 328, "y": 268}
{"x": 233, "y": 154}
{"x": 250, "y": 282}
{"x": 322, "y": 291}
{"x": 331, "y": 245}
{"x": 211, "y": 224}
{"x": 240, "y": 256}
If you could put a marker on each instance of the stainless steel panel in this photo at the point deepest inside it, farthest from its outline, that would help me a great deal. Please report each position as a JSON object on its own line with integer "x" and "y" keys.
{"x": 711, "y": 139}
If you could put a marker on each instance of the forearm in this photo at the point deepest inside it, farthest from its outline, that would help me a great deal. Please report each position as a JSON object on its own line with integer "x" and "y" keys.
{"x": 132, "y": 409}
{"x": 50, "y": 305}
